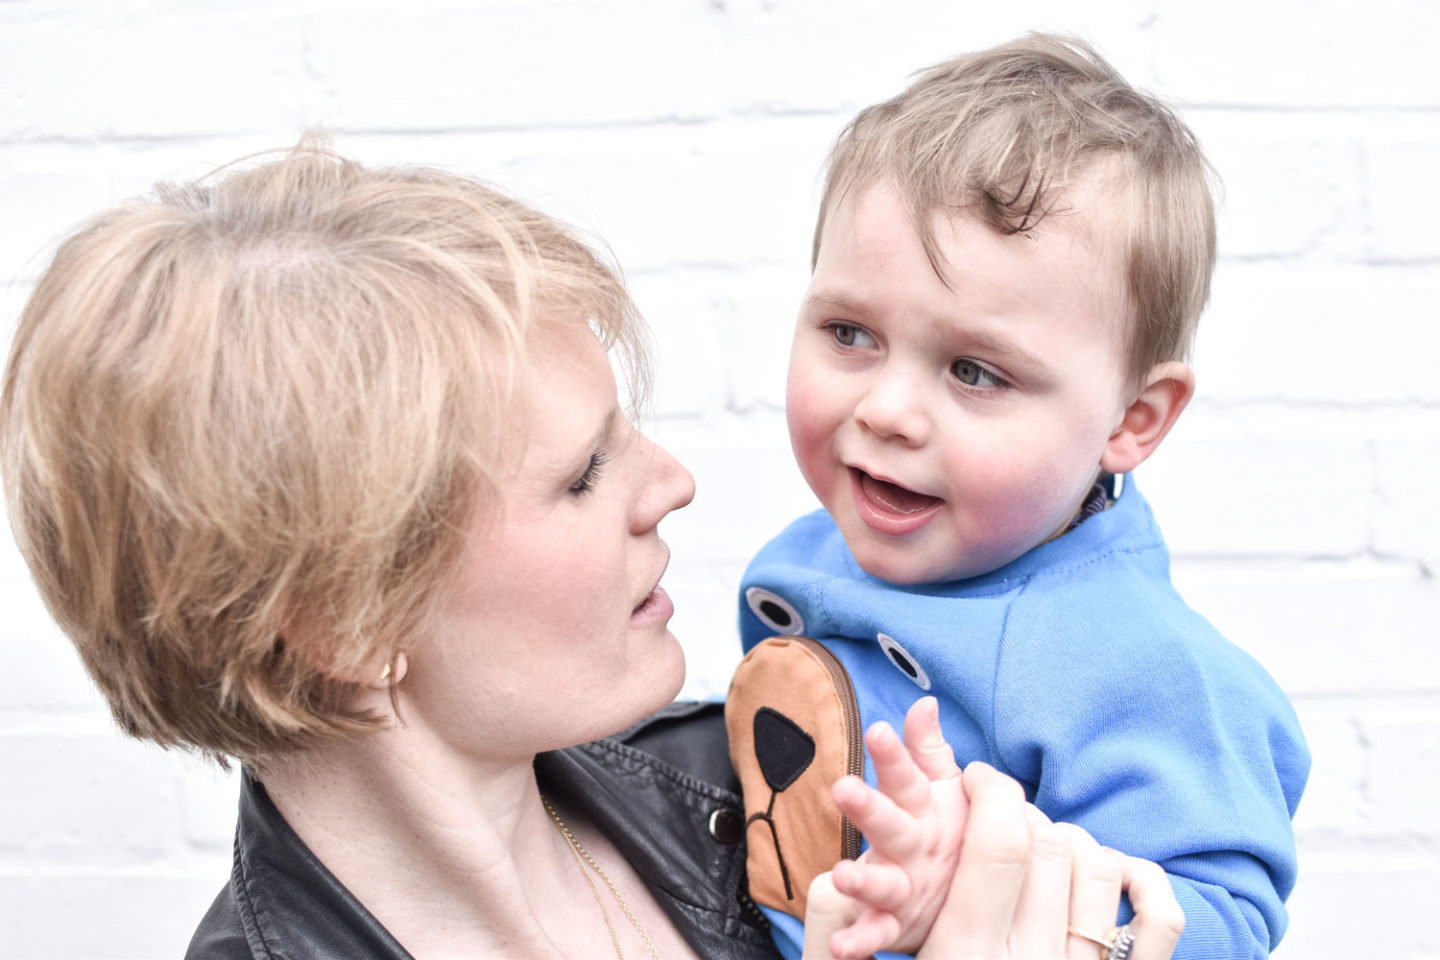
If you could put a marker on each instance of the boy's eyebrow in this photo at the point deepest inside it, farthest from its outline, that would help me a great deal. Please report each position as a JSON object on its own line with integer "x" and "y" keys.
{"x": 839, "y": 302}
{"x": 1003, "y": 349}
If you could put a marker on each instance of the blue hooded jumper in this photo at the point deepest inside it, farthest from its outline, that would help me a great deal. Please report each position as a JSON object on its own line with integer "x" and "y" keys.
{"x": 1078, "y": 670}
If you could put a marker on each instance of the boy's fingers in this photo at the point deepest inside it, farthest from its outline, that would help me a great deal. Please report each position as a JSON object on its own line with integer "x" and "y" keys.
{"x": 893, "y": 833}
{"x": 872, "y": 932}
{"x": 926, "y": 741}
{"x": 879, "y": 886}
{"x": 826, "y": 912}
{"x": 896, "y": 774}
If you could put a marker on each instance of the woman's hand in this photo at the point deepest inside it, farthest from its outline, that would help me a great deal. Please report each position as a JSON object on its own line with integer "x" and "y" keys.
{"x": 1022, "y": 885}
{"x": 1025, "y": 883}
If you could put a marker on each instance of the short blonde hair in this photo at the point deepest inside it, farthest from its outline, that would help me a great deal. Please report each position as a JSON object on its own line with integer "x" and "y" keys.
{"x": 1004, "y": 131}
{"x": 270, "y": 400}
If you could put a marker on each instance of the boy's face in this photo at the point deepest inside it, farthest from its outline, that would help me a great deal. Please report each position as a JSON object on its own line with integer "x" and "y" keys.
{"x": 948, "y": 429}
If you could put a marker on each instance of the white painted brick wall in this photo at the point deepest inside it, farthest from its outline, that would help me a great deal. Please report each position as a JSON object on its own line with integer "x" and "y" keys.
{"x": 1299, "y": 493}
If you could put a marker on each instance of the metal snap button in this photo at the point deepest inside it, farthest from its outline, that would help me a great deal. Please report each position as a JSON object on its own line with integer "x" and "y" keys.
{"x": 726, "y": 826}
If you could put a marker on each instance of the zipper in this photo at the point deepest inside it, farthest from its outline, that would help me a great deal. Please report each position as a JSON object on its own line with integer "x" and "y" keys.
{"x": 854, "y": 741}
{"x": 751, "y": 909}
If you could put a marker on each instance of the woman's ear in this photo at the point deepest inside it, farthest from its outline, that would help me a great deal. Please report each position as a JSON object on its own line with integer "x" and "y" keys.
{"x": 392, "y": 673}
{"x": 1167, "y": 389}
{"x": 369, "y": 673}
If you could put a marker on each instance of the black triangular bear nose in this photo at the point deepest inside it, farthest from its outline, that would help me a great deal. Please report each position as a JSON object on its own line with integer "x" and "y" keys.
{"x": 781, "y": 747}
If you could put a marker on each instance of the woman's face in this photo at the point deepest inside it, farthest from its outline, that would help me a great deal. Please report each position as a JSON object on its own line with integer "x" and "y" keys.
{"x": 556, "y": 631}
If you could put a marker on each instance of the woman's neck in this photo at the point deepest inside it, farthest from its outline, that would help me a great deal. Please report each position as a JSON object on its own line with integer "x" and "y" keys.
{"x": 454, "y": 856}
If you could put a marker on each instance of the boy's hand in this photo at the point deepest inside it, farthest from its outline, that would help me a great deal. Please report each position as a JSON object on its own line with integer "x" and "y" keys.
{"x": 827, "y": 910}
{"x": 914, "y": 823}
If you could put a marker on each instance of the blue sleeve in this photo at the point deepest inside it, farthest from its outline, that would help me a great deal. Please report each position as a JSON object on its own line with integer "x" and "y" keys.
{"x": 1163, "y": 740}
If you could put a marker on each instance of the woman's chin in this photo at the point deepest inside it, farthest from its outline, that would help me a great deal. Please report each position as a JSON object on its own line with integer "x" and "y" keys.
{"x": 677, "y": 681}
{"x": 669, "y": 676}
{"x": 665, "y": 676}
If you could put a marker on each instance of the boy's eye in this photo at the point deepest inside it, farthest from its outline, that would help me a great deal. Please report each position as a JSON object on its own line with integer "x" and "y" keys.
{"x": 972, "y": 374}
{"x": 849, "y": 335}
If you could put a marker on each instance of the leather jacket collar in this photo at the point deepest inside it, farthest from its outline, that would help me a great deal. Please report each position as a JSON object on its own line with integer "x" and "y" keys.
{"x": 663, "y": 792}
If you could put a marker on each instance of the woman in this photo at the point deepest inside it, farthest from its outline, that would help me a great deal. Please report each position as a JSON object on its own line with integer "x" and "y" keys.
{"x": 322, "y": 468}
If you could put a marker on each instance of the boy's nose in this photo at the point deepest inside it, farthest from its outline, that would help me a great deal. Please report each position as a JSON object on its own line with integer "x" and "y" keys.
{"x": 893, "y": 409}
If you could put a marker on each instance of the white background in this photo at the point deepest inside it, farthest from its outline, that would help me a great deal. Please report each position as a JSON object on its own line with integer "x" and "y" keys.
{"x": 1298, "y": 492}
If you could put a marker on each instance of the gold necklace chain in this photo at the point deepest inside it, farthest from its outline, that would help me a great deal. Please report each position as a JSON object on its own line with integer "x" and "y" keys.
{"x": 583, "y": 859}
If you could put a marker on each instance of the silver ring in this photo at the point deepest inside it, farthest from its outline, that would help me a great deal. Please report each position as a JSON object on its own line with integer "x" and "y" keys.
{"x": 1122, "y": 941}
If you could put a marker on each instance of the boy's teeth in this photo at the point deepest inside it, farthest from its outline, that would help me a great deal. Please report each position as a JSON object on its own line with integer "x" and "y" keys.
{"x": 894, "y": 497}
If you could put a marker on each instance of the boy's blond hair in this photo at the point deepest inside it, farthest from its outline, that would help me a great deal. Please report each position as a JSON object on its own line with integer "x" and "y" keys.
{"x": 1002, "y": 133}
{"x": 246, "y": 421}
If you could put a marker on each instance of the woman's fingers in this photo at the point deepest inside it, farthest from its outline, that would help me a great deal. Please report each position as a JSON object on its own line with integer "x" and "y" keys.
{"x": 979, "y": 912}
{"x": 1039, "y": 929}
{"x": 1095, "y": 881}
{"x": 1159, "y": 921}
{"x": 1023, "y": 883}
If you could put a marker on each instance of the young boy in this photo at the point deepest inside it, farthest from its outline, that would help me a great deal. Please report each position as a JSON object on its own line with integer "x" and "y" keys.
{"x": 1009, "y": 264}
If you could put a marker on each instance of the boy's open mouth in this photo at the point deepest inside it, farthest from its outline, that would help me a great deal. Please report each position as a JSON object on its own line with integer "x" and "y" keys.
{"x": 888, "y": 506}
{"x": 892, "y": 496}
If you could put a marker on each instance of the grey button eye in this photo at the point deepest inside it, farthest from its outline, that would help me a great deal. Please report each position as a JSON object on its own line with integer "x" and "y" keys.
{"x": 903, "y": 661}
{"x": 775, "y": 611}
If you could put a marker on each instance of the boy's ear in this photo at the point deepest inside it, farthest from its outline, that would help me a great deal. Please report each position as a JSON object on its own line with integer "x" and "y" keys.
{"x": 1167, "y": 389}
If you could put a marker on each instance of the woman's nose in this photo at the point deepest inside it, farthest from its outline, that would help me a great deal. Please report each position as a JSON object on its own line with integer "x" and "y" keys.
{"x": 893, "y": 408}
{"x": 666, "y": 486}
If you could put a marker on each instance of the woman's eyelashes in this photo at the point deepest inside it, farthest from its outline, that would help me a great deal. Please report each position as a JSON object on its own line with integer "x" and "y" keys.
{"x": 849, "y": 335}
{"x": 587, "y": 480}
{"x": 972, "y": 374}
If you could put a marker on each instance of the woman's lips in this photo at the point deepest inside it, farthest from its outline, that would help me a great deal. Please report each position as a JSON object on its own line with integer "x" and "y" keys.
{"x": 655, "y": 608}
{"x": 889, "y": 508}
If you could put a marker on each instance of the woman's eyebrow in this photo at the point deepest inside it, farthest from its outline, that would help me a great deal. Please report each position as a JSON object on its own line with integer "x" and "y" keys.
{"x": 605, "y": 427}
{"x": 597, "y": 439}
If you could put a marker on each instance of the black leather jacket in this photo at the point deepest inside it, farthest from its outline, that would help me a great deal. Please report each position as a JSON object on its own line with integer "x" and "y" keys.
{"x": 663, "y": 792}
